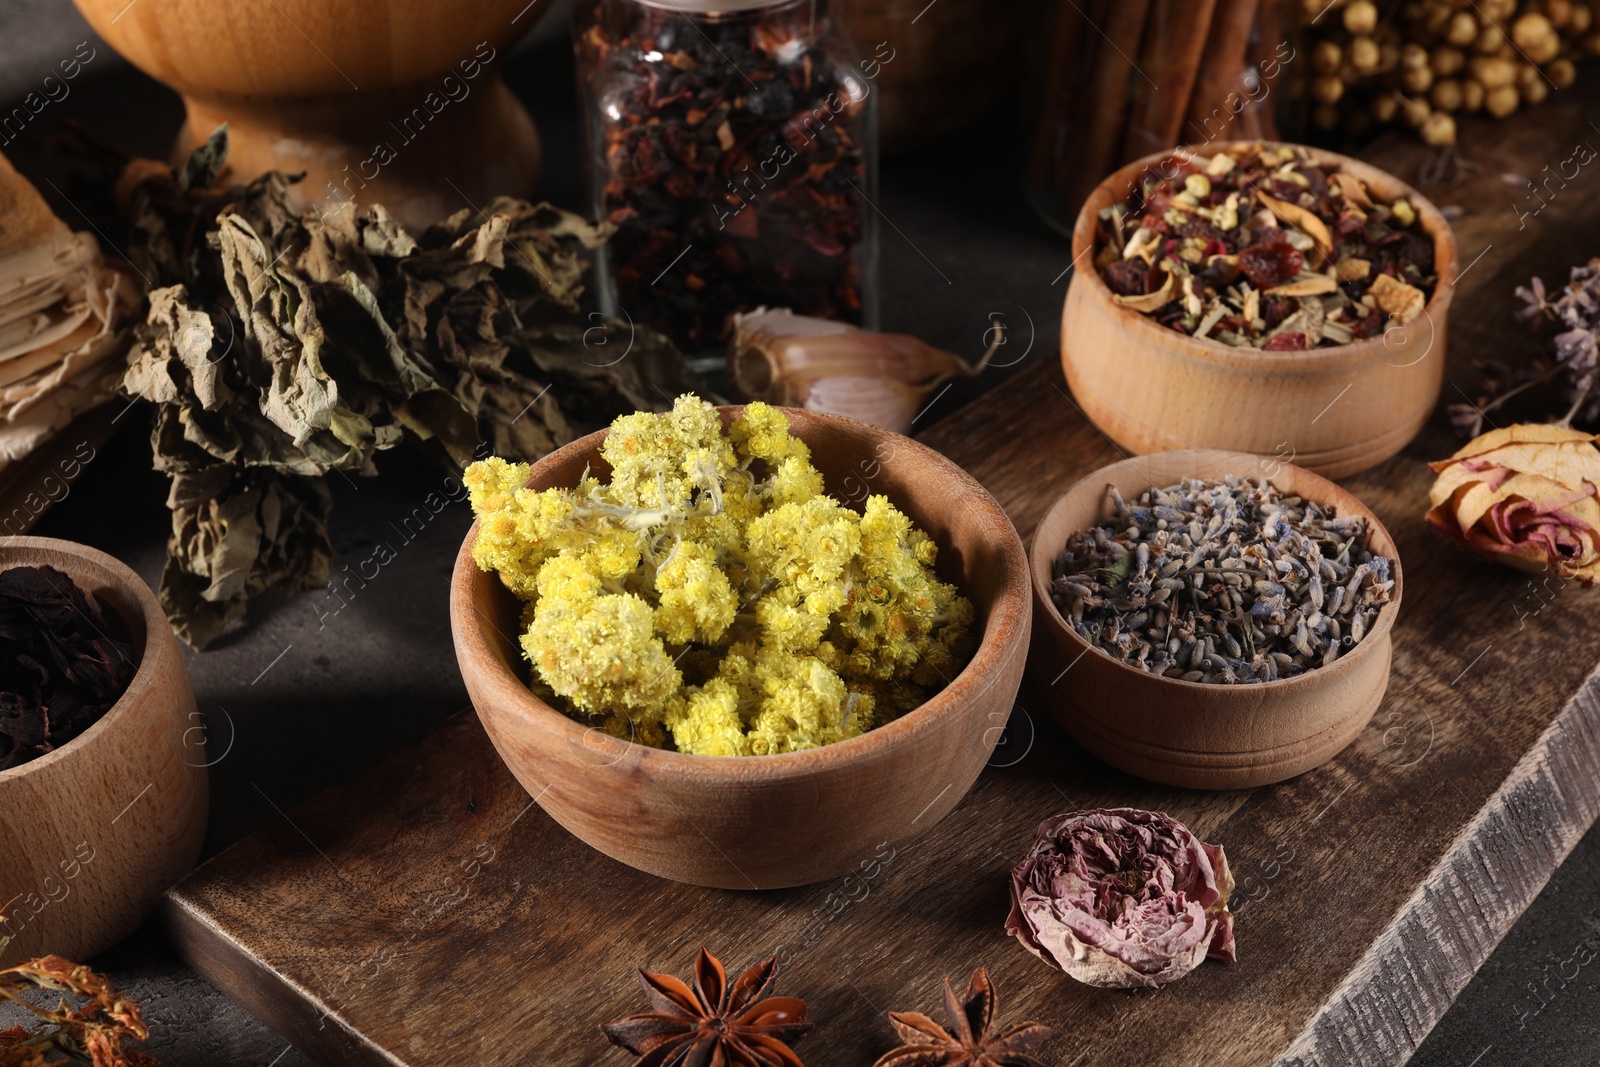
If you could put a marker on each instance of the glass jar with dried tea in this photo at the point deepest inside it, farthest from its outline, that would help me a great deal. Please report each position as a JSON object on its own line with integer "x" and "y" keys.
{"x": 732, "y": 144}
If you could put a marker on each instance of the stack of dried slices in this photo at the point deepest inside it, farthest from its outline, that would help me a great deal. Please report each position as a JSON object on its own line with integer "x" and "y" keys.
{"x": 62, "y": 312}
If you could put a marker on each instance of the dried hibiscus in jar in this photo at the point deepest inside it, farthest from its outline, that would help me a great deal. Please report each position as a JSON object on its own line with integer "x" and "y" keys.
{"x": 730, "y": 143}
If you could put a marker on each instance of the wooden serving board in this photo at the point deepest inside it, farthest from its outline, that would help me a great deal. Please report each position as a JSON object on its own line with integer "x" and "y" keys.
{"x": 430, "y": 913}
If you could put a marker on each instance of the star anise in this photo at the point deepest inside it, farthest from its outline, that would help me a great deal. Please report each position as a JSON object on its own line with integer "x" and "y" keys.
{"x": 711, "y": 1025}
{"x": 927, "y": 1044}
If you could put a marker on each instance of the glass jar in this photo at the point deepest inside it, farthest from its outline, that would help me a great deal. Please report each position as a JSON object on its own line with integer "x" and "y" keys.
{"x": 733, "y": 145}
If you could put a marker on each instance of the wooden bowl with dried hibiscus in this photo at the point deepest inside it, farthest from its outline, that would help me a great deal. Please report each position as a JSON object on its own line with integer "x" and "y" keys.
{"x": 1211, "y": 619}
{"x": 103, "y": 787}
{"x": 1262, "y": 298}
{"x": 741, "y": 647}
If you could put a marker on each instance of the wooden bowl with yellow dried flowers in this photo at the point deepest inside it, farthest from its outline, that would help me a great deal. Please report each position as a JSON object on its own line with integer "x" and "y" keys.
{"x": 1355, "y": 397}
{"x": 794, "y": 817}
{"x": 93, "y": 832}
{"x": 1199, "y": 729}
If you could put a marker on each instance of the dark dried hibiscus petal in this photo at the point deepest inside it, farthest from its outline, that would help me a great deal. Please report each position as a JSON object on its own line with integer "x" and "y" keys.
{"x": 1126, "y": 277}
{"x": 1270, "y": 264}
{"x": 1288, "y": 341}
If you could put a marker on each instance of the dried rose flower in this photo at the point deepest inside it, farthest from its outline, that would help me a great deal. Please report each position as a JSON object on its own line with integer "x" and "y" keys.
{"x": 1121, "y": 898}
{"x": 1527, "y": 496}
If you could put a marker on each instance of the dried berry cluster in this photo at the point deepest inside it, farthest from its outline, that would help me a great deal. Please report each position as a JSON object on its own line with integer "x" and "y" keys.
{"x": 1422, "y": 62}
{"x": 1265, "y": 248}
{"x": 1228, "y": 582}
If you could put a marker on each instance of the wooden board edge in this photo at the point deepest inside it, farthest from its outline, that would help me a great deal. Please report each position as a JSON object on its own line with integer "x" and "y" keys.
{"x": 1499, "y": 863}
{"x": 293, "y": 1011}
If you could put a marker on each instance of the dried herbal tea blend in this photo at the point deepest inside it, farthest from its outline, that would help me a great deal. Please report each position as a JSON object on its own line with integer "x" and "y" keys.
{"x": 1229, "y": 582}
{"x": 712, "y": 597}
{"x": 1267, "y": 249}
{"x": 730, "y": 151}
{"x": 60, "y": 668}
{"x": 282, "y": 345}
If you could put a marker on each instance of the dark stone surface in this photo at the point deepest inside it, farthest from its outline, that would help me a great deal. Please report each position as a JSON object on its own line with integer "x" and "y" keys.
{"x": 304, "y": 694}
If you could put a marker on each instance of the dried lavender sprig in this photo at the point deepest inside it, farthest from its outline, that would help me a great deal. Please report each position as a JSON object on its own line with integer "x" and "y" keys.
{"x": 1574, "y": 357}
{"x": 1228, "y": 582}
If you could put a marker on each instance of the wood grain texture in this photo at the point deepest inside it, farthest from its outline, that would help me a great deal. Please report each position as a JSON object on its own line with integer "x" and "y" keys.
{"x": 93, "y": 833}
{"x": 1334, "y": 410}
{"x": 799, "y": 817}
{"x": 1194, "y": 734}
{"x": 429, "y": 915}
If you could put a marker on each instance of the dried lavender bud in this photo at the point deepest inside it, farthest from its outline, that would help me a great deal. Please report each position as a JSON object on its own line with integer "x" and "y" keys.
{"x": 1228, "y": 582}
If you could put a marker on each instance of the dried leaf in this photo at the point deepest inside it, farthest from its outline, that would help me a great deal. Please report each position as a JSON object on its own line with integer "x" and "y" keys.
{"x": 280, "y": 346}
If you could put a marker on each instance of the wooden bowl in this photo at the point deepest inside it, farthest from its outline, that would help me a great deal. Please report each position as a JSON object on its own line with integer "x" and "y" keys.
{"x": 323, "y": 86}
{"x": 93, "y": 832}
{"x": 764, "y": 822}
{"x": 1201, "y": 735}
{"x": 1333, "y": 410}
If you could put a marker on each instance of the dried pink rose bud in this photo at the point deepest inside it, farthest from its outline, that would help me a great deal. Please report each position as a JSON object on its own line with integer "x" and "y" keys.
{"x": 1120, "y": 898}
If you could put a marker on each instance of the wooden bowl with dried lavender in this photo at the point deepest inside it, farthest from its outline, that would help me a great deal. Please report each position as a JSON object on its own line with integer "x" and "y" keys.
{"x": 103, "y": 787}
{"x": 1211, "y": 619}
{"x": 1262, "y": 298}
{"x": 756, "y": 643}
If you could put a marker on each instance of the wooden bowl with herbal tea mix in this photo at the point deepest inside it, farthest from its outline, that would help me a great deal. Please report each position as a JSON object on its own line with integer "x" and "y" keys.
{"x": 741, "y": 647}
{"x": 103, "y": 787}
{"x": 1212, "y": 620}
{"x": 1259, "y": 297}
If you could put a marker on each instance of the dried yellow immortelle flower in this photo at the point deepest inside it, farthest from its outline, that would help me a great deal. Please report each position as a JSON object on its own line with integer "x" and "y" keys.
{"x": 711, "y": 596}
{"x": 1527, "y": 496}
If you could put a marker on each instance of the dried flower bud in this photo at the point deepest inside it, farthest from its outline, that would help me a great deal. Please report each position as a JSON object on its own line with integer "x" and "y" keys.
{"x": 1536, "y": 90}
{"x": 1414, "y": 112}
{"x": 1385, "y": 107}
{"x": 1562, "y": 72}
{"x": 1536, "y": 37}
{"x": 1591, "y": 44}
{"x": 1490, "y": 40}
{"x": 1462, "y": 28}
{"x": 1325, "y": 117}
{"x": 1326, "y": 89}
{"x": 1439, "y": 130}
{"x": 1493, "y": 71}
{"x": 1559, "y": 12}
{"x": 1497, "y": 10}
{"x": 1361, "y": 16}
{"x": 1364, "y": 55}
{"x": 1122, "y": 898}
{"x": 1524, "y": 496}
{"x": 1436, "y": 16}
{"x": 1416, "y": 79}
{"x": 1501, "y": 101}
{"x": 1472, "y": 95}
{"x": 1446, "y": 94}
{"x": 1326, "y": 57}
{"x": 1581, "y": 19}
{"x": 1413, "y": 57}
{"x": 1445, "y": 61}
{"x": 1388, "y": 55}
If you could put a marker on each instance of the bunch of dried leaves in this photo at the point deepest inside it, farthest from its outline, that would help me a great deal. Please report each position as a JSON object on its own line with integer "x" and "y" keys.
{"x": 95, "y": 1032}
{"x": 1572, "y": 363}
{"x": 281, "y": 345}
